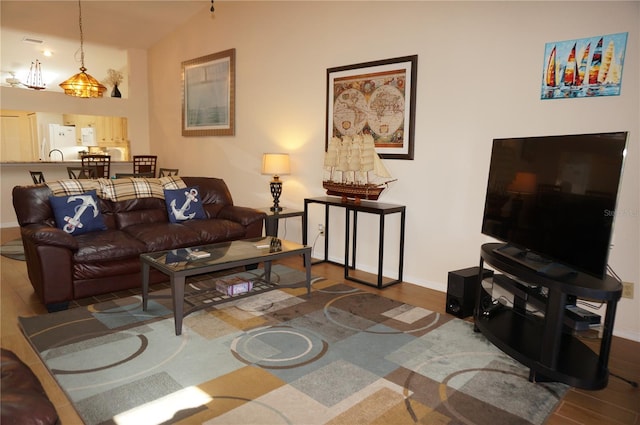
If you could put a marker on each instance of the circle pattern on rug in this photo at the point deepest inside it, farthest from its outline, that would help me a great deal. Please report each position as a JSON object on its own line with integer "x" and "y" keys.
{"x": 334, "y": 319}
{"x": 278, "y": 347}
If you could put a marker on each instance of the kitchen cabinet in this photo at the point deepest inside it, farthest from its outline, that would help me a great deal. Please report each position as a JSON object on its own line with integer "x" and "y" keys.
{"x": 109, "y": 131}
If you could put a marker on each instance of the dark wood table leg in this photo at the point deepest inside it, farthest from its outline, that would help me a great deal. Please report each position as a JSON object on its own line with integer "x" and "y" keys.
{"x": 145, "y": 285}
{"x": 267, "y": 271}
{"x": 177, "y": 294}
{"x": 307, "y": 267}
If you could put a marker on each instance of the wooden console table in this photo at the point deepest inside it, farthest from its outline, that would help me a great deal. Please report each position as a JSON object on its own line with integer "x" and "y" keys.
{"x": 352, "y": 209}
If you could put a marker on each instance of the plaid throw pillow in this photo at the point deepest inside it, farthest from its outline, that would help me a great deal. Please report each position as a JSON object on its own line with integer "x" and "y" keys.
{"x": 130, "y": 188}
{"x": 172, "y": 182}
{"x": 118, "y": 189}
{"x": 73, "y": 187}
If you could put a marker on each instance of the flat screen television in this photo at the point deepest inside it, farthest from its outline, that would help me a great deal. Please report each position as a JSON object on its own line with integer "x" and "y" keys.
{"x": 552, "y": 200}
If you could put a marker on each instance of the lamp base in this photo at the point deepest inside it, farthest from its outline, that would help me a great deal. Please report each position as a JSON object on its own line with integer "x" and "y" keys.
{"x": 276, "y": 190}
{"x": 276, "y": 209}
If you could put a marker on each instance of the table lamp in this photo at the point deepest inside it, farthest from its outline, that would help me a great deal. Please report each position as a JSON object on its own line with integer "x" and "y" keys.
{"x": 276, "y": 164}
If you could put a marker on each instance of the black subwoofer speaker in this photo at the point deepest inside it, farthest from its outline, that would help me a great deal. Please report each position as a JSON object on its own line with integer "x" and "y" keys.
{"x": 461, "y": 291}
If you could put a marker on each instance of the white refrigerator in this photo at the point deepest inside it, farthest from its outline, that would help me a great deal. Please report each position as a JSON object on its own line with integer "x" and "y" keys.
{"x": 63, "y": 138}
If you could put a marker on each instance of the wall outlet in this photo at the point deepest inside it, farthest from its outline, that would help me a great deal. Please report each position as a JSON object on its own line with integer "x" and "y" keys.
{"x": 627, "y": 289}
{"x": 321, "y": 229}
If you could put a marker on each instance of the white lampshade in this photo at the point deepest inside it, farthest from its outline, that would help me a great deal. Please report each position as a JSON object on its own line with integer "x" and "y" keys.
{"x": 276, "y": 164}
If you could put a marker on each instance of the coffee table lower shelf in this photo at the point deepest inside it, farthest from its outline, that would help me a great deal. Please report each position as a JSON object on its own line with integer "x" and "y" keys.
{"x": 198, "y": 300}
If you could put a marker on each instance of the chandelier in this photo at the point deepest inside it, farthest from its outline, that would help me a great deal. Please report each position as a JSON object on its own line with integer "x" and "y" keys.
{"x": 82, "y": 84}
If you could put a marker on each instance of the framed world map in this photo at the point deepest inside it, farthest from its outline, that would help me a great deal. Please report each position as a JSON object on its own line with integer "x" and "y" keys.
{"x": 376, "y": 98}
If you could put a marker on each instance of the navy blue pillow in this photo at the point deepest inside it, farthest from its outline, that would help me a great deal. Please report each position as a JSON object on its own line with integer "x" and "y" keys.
{"x": 78, "y": 214}
{"x": 184, "y": 204}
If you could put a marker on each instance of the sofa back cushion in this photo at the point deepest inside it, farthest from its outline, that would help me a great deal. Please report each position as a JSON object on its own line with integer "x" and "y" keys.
{"x": 31, "y": 204}
{"x": 212, "y": 190}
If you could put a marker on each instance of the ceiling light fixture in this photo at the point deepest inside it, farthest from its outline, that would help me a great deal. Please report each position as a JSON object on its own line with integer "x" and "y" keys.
{"x": 82, "y": 84}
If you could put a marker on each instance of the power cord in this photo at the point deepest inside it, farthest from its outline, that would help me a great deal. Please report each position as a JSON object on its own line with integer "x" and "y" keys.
{"x": 634, "y": 384}
{"x": 313, "y": 245}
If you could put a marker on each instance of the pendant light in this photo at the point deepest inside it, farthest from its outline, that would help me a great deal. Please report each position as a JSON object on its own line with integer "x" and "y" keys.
{"x": 82, "y": 84}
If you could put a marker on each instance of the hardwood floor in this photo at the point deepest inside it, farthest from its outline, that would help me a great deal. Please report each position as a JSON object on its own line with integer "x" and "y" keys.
{"x": 619, "y": 403}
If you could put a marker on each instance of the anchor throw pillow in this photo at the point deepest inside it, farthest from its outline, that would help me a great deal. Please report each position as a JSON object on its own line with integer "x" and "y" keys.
{"x": 78, "y": 214}
{"x": 184, "y": 204}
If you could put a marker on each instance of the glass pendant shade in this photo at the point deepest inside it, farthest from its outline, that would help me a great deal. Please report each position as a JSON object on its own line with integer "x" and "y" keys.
{"x": 83, "y": 85}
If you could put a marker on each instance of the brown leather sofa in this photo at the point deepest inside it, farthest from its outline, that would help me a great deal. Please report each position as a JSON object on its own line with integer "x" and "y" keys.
{"x": 63, "y": 267}
{"x": 23, "y": 401}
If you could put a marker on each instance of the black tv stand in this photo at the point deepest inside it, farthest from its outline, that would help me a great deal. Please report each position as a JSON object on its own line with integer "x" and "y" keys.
{"x": 540, "y": 341}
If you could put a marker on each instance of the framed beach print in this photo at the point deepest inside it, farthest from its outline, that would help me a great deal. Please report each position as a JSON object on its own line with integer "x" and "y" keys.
{"x": 585, "y": 67}
{"x": 208, "y": 95}
{"x": 376, "y": 98}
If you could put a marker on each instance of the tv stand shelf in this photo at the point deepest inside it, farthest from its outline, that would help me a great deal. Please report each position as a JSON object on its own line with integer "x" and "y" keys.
{"x": 542, "y": 343}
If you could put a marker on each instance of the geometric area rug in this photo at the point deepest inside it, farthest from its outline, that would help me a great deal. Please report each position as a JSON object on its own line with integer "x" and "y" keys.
{"x": 338, "y": 356}
{"x": 13, "y": 249}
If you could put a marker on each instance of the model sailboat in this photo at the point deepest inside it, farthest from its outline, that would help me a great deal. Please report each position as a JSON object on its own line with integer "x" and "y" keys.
{"x": 353, "y": 169}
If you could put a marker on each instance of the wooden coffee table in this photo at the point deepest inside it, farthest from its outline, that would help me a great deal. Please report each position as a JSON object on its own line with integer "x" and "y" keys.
{"x": 179, "y": 264}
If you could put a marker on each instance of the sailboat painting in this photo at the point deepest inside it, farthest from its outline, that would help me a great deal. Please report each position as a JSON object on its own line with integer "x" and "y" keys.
{"x": 587, "y": 67}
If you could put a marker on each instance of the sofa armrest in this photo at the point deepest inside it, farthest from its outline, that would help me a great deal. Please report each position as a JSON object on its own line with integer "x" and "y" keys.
{"x": 41, "y": 234}
{"x": 24, "y": 400}
{"x": 243, "y": 215}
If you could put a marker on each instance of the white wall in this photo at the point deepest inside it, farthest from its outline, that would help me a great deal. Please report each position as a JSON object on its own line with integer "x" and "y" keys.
{"x": 479, "y": 76}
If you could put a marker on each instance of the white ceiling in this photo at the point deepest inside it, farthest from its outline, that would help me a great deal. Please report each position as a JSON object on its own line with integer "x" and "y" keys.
{"x": 109, "y": 28}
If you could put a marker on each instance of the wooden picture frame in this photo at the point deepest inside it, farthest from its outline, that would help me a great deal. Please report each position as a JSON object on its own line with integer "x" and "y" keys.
{"x": 208, "y": 95}
{"x": 378, "y": 98}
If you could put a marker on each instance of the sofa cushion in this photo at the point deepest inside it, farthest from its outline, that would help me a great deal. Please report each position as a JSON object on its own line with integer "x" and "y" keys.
{"x": 184, "y": 204}
{"x": 163, "y": 236}
{"x": 78, "y": 214}
{"x": 102, "y": 271}
{"x": 108, "y": 245}
{"x": 216, "y": 230}
{"x": 130, "y": 218}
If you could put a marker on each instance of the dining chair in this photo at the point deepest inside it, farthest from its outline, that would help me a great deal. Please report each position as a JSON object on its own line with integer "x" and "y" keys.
{"x": 145, "y": 164}
{"x": 37, "y": 176}
{"x": 134, "y": 175}
{"x": 166, "y": 172}
{"x": 101, "y": 162}
{"x": 82, "y": 172}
